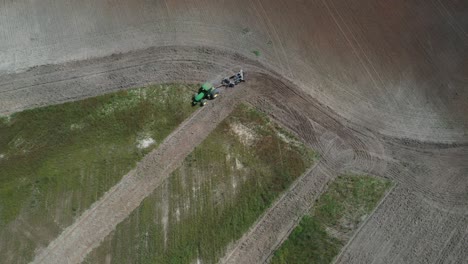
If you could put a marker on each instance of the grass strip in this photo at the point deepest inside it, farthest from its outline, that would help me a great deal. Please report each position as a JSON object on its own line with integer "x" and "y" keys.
{"x": 219, "y": 191}
{"x": 320, "y": 236}
{"x": 55, "y": 161}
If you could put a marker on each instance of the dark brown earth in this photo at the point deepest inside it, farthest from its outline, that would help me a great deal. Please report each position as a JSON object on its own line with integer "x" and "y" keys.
{"x": 376, "y": 87}
{"x": 398, "y": 68}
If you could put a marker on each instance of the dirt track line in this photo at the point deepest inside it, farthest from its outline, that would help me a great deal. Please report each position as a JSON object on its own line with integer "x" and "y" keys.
{"x": 310, "y": 108}
{"x": 259, "y": 221}
{"x": 94, "y": 74}
{"x": 451, "y": 20}
{"x": 278, "y": 57}
{"x": 350, "y": 240}
{"x": 79, "y": 239}
{"x": 337, "y": 155}
{"x": 278, "y": 221}
{"x": 115, "y": 188}
{"x": 272, "y": 26}
{"x": 353, "y": 47}
{"x": 275, "y": 225}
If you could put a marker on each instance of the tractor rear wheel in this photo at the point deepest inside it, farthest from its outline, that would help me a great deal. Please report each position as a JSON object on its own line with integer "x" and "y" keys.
{"x": 214, "y": 94}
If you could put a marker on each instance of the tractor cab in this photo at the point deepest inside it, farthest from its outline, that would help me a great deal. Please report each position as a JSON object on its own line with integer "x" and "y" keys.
{"x": 206, "y": 92}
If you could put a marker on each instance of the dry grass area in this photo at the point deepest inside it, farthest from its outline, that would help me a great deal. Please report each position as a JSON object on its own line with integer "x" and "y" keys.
{"x": 219, "y": 191}
{"x": 57, "y": 160}
{"x": 320, "y": 235}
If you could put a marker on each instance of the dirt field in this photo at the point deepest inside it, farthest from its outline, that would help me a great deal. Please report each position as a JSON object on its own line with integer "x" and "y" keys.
{"x": 398, "y": 68}
{"x": 432, "y": 235}
{"x": 218, "y": 191}
{"x": 375, "y": 87}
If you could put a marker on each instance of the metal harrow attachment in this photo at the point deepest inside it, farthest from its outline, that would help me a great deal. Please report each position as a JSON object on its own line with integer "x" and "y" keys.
{"x": 233, "y": 80}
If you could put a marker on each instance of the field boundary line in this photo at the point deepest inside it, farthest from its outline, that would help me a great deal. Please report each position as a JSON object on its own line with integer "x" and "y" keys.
{"x": 343, "y": 249}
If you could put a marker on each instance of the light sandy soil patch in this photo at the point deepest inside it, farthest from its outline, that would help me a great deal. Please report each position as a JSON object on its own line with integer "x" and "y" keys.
{"x": 235, "y": 181}
{"x": 396, "y": 97}
{"x": 76, "y": 126}
{"x": 245, "y": 134}
{"x": 145, "y": 143}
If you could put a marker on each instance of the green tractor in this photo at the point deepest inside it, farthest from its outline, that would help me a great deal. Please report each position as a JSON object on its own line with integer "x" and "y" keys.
{"x": 206, "y": 92}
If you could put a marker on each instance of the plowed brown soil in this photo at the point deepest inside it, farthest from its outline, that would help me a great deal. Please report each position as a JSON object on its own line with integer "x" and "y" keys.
{"x": 397, "y": 68}
{"x": 377, "y": 87}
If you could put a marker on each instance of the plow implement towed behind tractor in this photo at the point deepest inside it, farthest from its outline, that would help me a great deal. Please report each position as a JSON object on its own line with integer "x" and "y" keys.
{"x": 209, "y": 92}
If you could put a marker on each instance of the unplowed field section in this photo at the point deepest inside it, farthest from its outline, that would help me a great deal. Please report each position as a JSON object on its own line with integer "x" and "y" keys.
{"x": 100, "y": 219}
{"x": 366, "y": 76}
{"x": 435, "y": 172}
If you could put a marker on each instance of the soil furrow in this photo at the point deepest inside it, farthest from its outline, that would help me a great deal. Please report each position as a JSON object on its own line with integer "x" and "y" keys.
{"x": 100, "y": 219}
{"x": 432, "y": 172}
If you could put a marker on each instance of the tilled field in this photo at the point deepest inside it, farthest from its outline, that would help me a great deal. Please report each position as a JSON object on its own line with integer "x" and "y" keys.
{"x": 397, "y": 68}
{"x": 424, "y": 234}
{"x": 374, "y": 87}
{"x": 343, "y": 146}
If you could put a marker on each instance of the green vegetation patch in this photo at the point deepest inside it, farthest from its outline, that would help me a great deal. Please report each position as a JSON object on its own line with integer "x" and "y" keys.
{"x": 219, "y": 191}
{"x": 319, "y": 236}
{"x": 56, "y": 161}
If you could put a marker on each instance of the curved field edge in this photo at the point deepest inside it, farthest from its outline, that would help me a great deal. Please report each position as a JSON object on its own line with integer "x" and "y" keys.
{"x": 57, "y": 160}
{"x": 320, "y": 235}
{"x": 220, "y": 189}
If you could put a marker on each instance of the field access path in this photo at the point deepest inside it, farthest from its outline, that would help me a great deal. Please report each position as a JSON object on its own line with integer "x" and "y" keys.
{"x": 428, "y": 203}
{"x": 430, "y": 177}
{"x": 87, "y": 232}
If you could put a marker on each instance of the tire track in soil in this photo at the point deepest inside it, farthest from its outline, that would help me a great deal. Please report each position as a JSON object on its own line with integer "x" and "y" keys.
{"x": 404, "y": 229}
{"x": 337, "y": 156}
{"x": 360, "y": 149}
{"x": 76, "y": 241}
{"x": 280, "y": 219}
{"x": 56, "y": 84}
{"x": 358, "y": 230}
